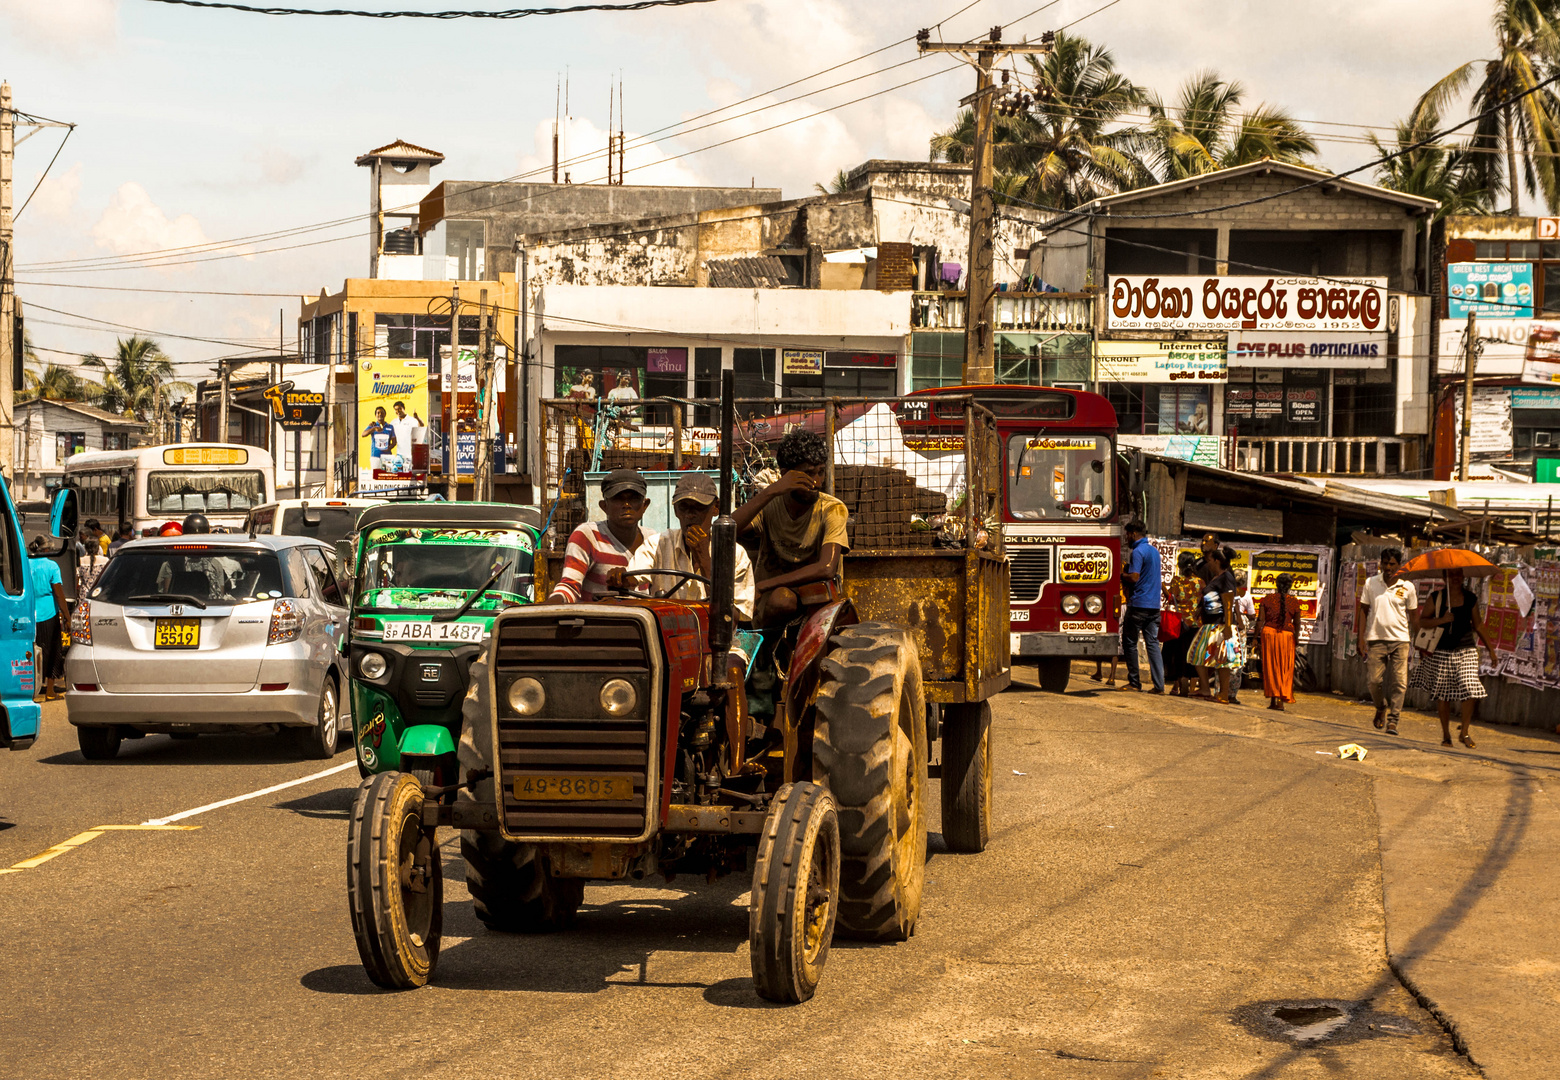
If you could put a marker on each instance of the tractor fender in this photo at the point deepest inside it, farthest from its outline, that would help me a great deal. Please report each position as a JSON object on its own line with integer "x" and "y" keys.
{"x": 428, "y": 740}
{"x": 811, "y": 644}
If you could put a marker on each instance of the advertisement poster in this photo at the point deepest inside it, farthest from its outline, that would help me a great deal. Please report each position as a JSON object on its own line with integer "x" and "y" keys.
{"x": 801, "y": 361}
{"x": 1305, "y": 404}
{"x": 666, "y": 361}
{"x": 1198, "y": 303}
{"x": 392, "y": 409}
{"x": 612, "y": 383}
{"x": 1259, "y": 565}
{"x": 1160, "y": 361}
{"x": 1501, "y": 290}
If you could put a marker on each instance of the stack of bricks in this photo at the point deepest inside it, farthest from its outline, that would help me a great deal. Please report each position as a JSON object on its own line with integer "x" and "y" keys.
{"x": 882, "y": 502}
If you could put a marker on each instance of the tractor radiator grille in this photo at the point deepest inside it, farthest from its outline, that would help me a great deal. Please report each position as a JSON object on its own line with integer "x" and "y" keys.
{"x": 572, "y": 737}
{"x": 1031, "y": 570}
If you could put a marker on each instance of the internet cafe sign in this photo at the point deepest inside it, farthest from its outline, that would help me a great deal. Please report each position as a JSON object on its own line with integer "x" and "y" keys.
{"x": 1247, "y": 303}
{"x": 1160, "y": 361}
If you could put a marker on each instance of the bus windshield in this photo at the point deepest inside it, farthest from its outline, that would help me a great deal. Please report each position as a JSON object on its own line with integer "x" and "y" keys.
{"x": 432, "y": 568}
{"x": 1060, "y": 478}
{"x": 212, "y": 491}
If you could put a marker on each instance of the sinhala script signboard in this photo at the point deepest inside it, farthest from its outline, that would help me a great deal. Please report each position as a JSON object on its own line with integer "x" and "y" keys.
{"x": 1199, "y": 303}
{"x": 1160, "y": 361}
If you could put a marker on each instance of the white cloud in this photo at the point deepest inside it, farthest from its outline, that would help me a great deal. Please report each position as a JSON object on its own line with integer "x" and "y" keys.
{"x": 132, "y": 223}
{"x": 277, "y": 166}
{"x": 55, "y": 198}
{"x": 71, "y": 27}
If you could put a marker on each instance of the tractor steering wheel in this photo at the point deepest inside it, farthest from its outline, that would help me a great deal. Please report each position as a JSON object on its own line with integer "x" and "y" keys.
{"x": 687, "y": 575}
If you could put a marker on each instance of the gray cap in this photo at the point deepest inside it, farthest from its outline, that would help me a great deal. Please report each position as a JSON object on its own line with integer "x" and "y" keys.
{"x": 697, "y": 487}
{"x": 620, "y": 480}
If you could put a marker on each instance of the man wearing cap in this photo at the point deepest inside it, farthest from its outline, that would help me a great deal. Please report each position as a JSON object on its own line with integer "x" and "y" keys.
{"x": 597, "y": 548}
{"x": 688, "y": 548}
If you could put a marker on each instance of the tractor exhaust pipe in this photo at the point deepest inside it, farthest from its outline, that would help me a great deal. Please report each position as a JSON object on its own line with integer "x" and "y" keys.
{"x": 723, "y": 539}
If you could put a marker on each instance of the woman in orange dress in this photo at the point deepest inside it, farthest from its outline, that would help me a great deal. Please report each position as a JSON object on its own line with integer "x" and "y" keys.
{"x": 1279, "y": 614}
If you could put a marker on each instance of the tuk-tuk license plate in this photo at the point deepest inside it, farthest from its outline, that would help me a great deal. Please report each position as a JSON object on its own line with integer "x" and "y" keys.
{"x": 437, "y": 632}
{"x": 550, "y": 788}
{"x": 176, "y": 634}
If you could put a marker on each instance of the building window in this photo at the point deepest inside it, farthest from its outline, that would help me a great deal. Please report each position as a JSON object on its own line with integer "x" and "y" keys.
{"x": 116, "y": 440}
{"x": 936, "y": 360}
{"x": 1545, "y": 258}
{"x": 755, "y": 371}
{"x": 706, "y": 384}
{"x": 67, "y": 443}
{"x": 1159, "y": 409}
{"x": 464, "y": 250}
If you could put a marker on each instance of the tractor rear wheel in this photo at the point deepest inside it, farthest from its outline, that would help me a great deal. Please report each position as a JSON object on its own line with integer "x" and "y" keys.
{"x": 966, "y": 776}
{"x": 395, "y": 883}
{"x": 869, "y": 752}
{"x": 795, "y": 898}
{"x": 512, "y": 888}
{"x": 1054, "y": 672}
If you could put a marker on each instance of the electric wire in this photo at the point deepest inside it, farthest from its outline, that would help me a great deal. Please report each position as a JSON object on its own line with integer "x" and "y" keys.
{"x": 510, "y": 13}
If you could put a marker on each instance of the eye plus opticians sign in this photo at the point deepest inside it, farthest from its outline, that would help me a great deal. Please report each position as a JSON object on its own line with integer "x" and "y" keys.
{"x": 1197, "y": 303}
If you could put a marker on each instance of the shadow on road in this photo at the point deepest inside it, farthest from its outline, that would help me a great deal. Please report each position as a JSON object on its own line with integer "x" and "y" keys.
{"x": 332, "y": 805}
{"x": 205, "y": 750}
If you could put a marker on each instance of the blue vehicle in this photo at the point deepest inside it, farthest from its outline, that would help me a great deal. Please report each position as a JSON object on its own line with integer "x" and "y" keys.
{"x": 19, "y": 714}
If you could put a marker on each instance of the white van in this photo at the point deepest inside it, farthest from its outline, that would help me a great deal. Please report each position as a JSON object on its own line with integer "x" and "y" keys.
{"x": 328, "y": 520}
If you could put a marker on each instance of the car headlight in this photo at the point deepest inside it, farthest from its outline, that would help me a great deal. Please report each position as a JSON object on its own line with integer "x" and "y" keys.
{"x": 1094, "y": 604}
{"x": 526, "y": 696}
{"x": 372, "y": 666}
{"x": 1071, "y": 604}
{"x": 618, "y": 697}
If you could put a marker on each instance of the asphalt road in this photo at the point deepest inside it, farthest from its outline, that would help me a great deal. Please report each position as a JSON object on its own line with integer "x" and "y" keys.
{"x": 1152, "y": 892}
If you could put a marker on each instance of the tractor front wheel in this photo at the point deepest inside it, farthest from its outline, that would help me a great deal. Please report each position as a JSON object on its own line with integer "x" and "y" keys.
{"x": 966, "y": 776}
{"x": 395, "y": 884}
{"x": 795, "y": 897}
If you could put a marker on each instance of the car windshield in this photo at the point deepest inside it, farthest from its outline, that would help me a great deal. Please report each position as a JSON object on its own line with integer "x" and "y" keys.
{"x": 1060, "y": 478}
{"x": 425, "y": 568}
{"x": 213, "y": 490}
{"x": 211, "y": 576}
{"x": 329, "y": 523}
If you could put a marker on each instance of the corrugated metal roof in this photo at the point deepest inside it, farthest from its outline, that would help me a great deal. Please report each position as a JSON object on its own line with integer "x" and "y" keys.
{"x": 86, "y": 410}
{"x": 401, "y": 149}
{"x": 754, "y": 272}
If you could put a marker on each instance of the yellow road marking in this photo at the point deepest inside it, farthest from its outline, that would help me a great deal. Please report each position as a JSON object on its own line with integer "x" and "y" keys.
{"x": 86, "y": 837}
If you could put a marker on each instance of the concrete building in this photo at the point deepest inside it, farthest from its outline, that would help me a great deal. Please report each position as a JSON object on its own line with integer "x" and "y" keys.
{"x": 397, "y": 182}
{"x": 297, "y": 457}
{"x": 51, "y": 431}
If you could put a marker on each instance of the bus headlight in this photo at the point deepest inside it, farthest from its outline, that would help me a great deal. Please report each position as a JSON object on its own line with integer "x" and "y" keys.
{"x": 1094, "y": 604}
{"x": 526, "y": 696}
{"x": 1071, "y": 604}
{"x": 372, "y": 666}
{"x": 618, "y": 697}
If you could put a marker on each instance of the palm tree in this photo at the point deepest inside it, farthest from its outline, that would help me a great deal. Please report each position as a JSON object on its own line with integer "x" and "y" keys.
{"x": 1204, "y": 132}
{"x": 1450, "y": 174}
{"x": 58, "y": 383}
{"x": 1527, "y": 51}
{"x": 1069, "y": 148}
{"x": 836, "y": 186}
{"x": 138, "y": 380}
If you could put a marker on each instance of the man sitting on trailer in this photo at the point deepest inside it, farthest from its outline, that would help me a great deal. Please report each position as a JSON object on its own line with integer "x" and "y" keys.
{"x": 801, "y": 533}
{"x": 597, "y": 548}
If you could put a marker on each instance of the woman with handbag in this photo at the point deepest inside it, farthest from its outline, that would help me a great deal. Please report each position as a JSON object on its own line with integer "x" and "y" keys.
{"x": 1279, "y": 616}
{"x": 1185, "y": 596}
{"x": 1449, "y": 671}
{"x": 1219, "y": 646}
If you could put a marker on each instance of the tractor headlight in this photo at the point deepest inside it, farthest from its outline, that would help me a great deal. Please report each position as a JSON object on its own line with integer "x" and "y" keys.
{"x": 618, "y": 697}
{"x": 526, "y": 696}
{"x": 372, "y": 666}
{"x": 1071, "y": 604}
{"x": 1094, "y": 604}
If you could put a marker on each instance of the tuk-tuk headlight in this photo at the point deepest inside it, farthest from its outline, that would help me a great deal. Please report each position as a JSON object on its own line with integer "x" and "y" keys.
{"x": 1071, "y": 604}
{"x": 372, "y": 666}
{"x": 618, "y": 697}
{"x": 1094, "y": 604}
{"x": 526, "y": 696}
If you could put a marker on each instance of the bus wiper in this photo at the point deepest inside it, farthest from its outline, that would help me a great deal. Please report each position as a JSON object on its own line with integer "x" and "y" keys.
{"x": 458, "y": 612}
{"x": 168, "y": 596}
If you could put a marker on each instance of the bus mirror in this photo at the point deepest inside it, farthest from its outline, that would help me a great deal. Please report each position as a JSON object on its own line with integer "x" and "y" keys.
{"x": 65, "y": 516}
{"x": 310, "y": 517}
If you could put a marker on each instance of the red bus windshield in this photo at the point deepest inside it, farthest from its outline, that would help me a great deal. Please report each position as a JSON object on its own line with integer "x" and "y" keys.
{"x": 1060, "y": 477}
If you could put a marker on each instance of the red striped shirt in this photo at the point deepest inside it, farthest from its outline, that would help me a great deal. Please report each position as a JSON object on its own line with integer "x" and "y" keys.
{"x": 592, "y": 553}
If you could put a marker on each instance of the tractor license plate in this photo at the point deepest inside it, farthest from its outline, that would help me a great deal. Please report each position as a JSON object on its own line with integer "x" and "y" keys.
{"x": 603, "y": 788}
{"x": 176, "y": 634}
{"x": 431, "y": 631}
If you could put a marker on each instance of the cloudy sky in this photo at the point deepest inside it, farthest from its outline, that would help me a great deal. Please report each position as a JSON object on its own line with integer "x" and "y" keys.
{"x": 199, "y": 126}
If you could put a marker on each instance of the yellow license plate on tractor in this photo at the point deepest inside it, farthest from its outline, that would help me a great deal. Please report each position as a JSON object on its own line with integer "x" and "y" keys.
{"x": 176, "y": 634}
{"x": 596, "y": 788}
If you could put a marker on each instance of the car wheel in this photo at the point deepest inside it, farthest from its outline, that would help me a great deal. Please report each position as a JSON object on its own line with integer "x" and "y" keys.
{"x": 320, "y": 740}
{"x": 98, "y": 743}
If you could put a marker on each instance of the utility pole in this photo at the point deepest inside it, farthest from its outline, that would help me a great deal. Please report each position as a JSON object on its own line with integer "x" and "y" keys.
{"x": 8, "y": 358}
{"x": 330, "y": 406}
{"x": 482, "y": 479}
{"x": 451, "y": 378}
{"x": 224, "y": 372}
{"x": 980, "y": 288}
{"x": 1471, "y": 358}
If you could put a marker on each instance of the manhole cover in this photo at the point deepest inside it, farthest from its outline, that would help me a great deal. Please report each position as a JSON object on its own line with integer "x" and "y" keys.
{"x": 1316, "y": 1022}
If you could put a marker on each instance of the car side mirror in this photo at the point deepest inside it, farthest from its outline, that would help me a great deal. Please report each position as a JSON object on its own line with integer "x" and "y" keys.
{"x": 65, "y": 516}
{"x": 346, "y": 553}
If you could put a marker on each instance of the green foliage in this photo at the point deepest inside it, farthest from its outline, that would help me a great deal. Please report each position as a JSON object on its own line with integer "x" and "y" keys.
{"x": 1205, "y": 131}
{"x": 138, "y": 381}
{"x": 838, "y": 185}
{"x": 1449, "y": 173}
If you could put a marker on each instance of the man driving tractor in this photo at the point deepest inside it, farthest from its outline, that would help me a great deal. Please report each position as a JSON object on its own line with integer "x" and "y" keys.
{"x": 597, "y": 548}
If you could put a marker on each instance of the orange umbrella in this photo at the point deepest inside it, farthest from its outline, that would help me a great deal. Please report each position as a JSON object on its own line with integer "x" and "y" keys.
{"x": 1433, "y": 563}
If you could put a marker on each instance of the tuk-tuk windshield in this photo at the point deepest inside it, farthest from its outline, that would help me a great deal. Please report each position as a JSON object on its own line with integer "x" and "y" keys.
{"x": 422, "y": 568}
{"x": 1060, "y": 478}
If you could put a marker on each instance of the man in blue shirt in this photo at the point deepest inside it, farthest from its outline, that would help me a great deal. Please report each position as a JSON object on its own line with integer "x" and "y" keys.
{"x": 1143, "y": 585}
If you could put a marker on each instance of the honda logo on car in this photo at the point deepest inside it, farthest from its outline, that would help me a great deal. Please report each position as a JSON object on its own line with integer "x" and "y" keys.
{"x": 1085, "y": 565}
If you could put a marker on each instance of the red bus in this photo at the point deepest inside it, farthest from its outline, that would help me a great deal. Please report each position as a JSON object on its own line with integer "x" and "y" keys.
{"x": 1061, "y": 521}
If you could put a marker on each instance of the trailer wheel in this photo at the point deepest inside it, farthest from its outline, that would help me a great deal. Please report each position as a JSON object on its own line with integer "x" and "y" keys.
{"x": 869, "y": 752}
{"x": 966, "y": 776}
{"x": 512, "y": 888}
{"x": 395, "y": 884}
{"x": 795, "y": 897}
{"x": 1054, "y": 673}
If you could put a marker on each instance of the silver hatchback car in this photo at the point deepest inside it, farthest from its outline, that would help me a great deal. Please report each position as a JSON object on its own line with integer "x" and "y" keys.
{"x": 195, "y": 634}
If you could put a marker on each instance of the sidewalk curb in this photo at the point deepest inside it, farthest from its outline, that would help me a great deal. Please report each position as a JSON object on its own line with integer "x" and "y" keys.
{"x": 1431, "y": 1006}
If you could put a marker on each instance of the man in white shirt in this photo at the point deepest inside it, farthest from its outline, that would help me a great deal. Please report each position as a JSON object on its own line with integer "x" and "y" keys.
{"x": 1386, "y": 622}
{"x": 688, "y": 548}
{"x": 405, "y": 428}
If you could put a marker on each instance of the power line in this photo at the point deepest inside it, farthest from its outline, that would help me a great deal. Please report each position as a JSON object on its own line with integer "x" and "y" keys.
{"x": 70, "y": 129}
{"x": 511, "y": 13}
{"x": 171, "y": 292}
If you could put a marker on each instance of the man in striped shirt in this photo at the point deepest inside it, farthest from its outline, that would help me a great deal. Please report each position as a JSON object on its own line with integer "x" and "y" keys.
{"x": 597, "y": 548}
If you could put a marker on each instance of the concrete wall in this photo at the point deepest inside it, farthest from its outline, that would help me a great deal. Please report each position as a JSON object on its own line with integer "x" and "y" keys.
{"x": 770, "y": 314}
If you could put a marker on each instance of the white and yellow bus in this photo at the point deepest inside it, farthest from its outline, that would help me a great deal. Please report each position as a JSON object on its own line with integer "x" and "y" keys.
{"x": 155, "y": 484}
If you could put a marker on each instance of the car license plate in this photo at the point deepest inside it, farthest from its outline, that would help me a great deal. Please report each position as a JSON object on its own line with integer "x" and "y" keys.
{"x": 433, "y": 632}
{"x": 176, "y": 634}
{"x": 604, "y": 788}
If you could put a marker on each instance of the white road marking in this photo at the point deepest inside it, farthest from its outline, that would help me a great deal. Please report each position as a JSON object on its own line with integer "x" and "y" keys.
{"x": 171, "y": 818}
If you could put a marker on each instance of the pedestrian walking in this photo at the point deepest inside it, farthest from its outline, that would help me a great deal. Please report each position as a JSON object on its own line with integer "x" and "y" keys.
{"x": 1388, "y": 619}
{"x": 1144, "y": 588}
{"x": 1185, "y": 599}
{"x": 1245, "y": 627}
{"x": 1279, "y": 617}
{"x": 1449, "y": 672}
{"x": 1217, "y": 649}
